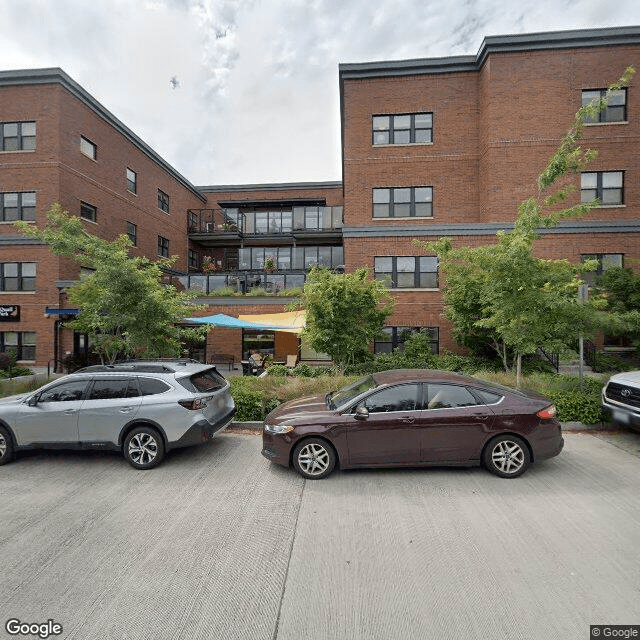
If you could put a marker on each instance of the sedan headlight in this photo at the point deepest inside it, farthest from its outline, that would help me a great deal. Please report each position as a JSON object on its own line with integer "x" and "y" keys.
{"x": 278, "y": 428}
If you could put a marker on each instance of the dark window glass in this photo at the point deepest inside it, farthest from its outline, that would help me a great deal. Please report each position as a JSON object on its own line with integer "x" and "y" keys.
{"x": 18, "y": 206}
{"x": 17, "y": 136}
{"x": 65, "y": 392}
{"x": 209, "y": 380}
{"x": 395, "y": 337}
{"x": 163, "y": 247}
{"x": 152, "y": 386}
{"x": 18, "y": 276}
{"x": 616, "y": 109}
{"x": 402, "y": 397}
{"x": 163, "y": 201}
{"x": 22, "y": 343}
{"x": 132, "y": 181}
{"x": 132, "y": 232}
{"x": 112, "y": 389}
{"x": 403, "y": 202}
{"x": 88, "y": 212}
{"x": 406, "y": 128}
{"x": 449, "y": 396}
{"x": 605, "y": 261}
{"x": 487, "y": 397}
{"x": 606, "y": 186}
{"x": 407, "y": 272}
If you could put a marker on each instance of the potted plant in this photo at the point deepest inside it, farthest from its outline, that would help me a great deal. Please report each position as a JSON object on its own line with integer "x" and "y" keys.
{"x": 208, "y": 265}
{"x": 270, "y": 264}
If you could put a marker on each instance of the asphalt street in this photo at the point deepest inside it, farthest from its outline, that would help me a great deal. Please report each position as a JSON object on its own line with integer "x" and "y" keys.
{"x": 217, "y": 543}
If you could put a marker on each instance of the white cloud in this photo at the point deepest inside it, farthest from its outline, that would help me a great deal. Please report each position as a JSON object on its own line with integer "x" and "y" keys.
{"x": 257, "y": 99}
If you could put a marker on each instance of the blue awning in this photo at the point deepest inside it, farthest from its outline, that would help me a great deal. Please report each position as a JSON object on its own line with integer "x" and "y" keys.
{"x": 61, "y": 312}
{"x": 222, "y": 320}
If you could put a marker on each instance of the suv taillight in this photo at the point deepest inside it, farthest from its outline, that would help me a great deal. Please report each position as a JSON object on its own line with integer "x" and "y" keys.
{"x": 548, "y": 412}
{"x": 193, "y": 405}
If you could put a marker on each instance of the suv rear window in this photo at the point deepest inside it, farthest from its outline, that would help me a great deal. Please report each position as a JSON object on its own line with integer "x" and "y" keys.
{"x": 151, "y": 386}
{"x": 203, "y": 381}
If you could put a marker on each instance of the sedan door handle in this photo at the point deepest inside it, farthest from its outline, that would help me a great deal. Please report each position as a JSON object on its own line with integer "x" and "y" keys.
{"x": 408, "y": 420}
{"x": 481, "y": 416}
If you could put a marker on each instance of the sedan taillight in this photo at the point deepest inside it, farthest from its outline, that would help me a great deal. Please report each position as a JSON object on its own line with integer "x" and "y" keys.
{"x": 193, "y": 405}
{"x": 548, "y": 412}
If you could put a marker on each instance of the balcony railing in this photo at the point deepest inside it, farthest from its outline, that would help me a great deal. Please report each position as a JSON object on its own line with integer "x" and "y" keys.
{"x": 215, "y": 221}
{"x": 243, "y": 281}
{"x": 268, "y": 222}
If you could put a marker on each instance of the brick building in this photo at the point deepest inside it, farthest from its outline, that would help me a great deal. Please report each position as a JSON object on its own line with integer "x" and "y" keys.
{"x": 430, "y": 147}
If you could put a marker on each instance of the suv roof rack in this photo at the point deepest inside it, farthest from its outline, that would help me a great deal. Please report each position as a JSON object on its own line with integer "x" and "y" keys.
{"x": 129, "y": 367}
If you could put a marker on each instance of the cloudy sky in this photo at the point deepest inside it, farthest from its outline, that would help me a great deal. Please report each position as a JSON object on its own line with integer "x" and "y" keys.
{"x": 255, "y": 92}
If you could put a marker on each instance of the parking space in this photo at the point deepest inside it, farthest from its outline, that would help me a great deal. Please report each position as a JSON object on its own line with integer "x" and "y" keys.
{"x": 218, "y": 543}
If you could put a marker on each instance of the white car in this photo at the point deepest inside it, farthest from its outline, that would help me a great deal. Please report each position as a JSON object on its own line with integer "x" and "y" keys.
{"x": 621, "y": 399}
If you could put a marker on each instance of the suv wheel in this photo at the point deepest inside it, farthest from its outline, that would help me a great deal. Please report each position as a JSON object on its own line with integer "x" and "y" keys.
{"x": 143, "y": 448}
{"x": 6, "y": 446}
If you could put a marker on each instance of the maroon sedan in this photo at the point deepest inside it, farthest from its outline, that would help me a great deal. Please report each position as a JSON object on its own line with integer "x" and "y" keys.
{"x": 414, "y": 417}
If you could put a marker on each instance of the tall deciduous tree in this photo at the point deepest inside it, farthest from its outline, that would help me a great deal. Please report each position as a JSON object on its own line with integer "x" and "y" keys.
{"x": 518, "y": 301}
{"x": 345, "y": 312}
{"x": 124, "y": 306}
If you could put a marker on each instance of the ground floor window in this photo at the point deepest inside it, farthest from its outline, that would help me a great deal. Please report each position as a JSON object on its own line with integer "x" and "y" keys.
{"x": 394, "y": 338}
{"x": 22, "y": 343}
{"x": 256, "y": 340}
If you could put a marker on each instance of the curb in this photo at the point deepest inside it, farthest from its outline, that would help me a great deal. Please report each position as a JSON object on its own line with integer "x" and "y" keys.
{"x": 246, "y": 425}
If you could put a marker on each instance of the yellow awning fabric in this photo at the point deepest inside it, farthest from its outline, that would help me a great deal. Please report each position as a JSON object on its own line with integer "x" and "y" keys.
{"x": 290, "y": 321}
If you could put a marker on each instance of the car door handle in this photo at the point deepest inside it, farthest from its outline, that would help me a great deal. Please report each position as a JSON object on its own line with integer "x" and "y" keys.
{"x": 408, "y": 420}
{"x": 70, "y": 412}
{"x": 126, "y": 410}
{"x": 481, "y": 416}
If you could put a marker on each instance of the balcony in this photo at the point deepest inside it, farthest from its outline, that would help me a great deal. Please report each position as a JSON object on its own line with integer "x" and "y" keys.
{"x": 243, "y": 282}
{"x": 216, "y": 227}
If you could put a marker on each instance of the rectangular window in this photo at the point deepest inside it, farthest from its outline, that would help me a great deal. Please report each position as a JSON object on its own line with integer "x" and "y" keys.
{"x": 606, "y": 186}
{"x": 616, "y": 109}
{"x": 18, "y": 276}
{"x": 22, "y": 343}
{"x": 403, "y": 202}
{"x": 407, "y": 272}
{"x": 132, "y": 181}
{"x": 163, "y": 201}
{"x": 395, "y": 337}
{"x": 18, "y": 206}
{"x": 605, "y": 261}
{"x": 132, "y": 232}
{"x": 406, "y": 128}
{"x": 17, "y": 136}
{"x": 194, "y": 259}
{"x": 88, "y": 212}
{"x": 163, "y": 247}
{"x": 88, "y": 148}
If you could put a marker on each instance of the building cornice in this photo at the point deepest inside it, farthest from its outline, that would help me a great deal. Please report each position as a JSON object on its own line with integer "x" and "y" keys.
{"x": 614, "y": 36}
{"x": 489, "y": 229}
{"x": 57, "y": 76}
{"x": 274, "y": 186}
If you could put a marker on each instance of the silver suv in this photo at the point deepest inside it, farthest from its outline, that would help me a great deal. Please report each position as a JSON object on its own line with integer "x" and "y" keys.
{"x": 142, "y": 408}
{"x": 621, "y": 399}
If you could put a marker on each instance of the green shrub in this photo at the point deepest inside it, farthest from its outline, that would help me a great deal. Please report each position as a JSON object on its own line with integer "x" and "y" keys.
{"x": 573, "y": 406}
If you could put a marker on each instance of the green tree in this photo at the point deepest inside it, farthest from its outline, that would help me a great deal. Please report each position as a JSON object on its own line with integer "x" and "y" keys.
{"x": 621, "y": 288}
{"x": 345, "y": 312}
{"x": 124, "y": 307}
{"x": 502, "y": 291}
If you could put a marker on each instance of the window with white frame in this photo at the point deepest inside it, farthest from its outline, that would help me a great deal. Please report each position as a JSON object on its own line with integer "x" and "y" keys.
{"x": 17, "y": 136}
{"x": 18, "y": 206}
{"x": 407, "y": 272}
{"x": 403, "y": 202}
{"x": 606, "y": 186}
{"x": 404, "y": 128}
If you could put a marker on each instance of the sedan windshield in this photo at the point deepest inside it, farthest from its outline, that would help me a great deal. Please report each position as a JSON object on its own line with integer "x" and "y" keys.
{"x": 344, "y": 396}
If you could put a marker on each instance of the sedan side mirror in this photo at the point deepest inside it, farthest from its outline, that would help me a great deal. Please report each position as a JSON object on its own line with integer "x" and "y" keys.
{"x": 33, "y": 400}
{"x": 362, "y": 413}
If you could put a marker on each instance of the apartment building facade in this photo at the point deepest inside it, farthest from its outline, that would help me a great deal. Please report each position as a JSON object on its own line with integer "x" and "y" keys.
{"x": 430, "y": 148}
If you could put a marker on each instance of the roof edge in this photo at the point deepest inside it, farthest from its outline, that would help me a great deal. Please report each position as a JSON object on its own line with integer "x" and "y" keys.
{"x": 270, "y": 186}
{"x": 55, "y": 75}
{"x": 492, "y": 45}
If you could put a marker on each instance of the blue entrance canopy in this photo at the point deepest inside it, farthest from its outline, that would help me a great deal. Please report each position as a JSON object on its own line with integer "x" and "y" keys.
{"x": 222, "y": 320}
